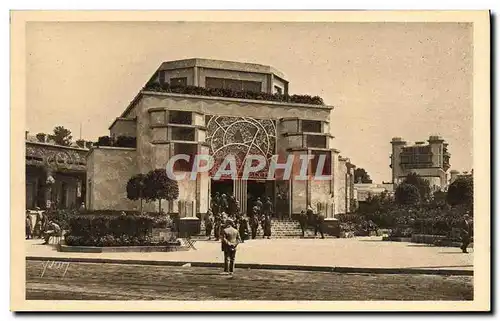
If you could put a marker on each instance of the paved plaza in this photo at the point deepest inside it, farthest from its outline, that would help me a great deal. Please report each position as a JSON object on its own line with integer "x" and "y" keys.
{"x": 361, "y": 252}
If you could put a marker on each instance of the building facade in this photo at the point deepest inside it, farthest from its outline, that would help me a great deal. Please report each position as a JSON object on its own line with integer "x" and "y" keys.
{"x": 55, "y": 175}
{"x": 430, "y": 160}
{"x": 195, "y": 116}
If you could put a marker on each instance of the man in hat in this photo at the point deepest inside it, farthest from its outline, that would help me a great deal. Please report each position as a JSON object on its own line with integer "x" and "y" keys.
{"x": 466, "y": 232}
{"x": 230, "y": 238}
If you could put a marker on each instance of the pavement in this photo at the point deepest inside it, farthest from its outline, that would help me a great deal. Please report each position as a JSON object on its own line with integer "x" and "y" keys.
{"x": 354, "y": 255}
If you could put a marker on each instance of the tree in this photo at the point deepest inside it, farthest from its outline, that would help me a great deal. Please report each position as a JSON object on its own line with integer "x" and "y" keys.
{"x": 104, "y": 141}
{"x": 461, "y": 191}
{"x": 407, "y": 194}
{"x": 360, "y": 175}
{"x": 423, "y": 186}
{"x": 136, "y": 188}
{"x": 158, "y": 186}
{"x": 62, "y": 136}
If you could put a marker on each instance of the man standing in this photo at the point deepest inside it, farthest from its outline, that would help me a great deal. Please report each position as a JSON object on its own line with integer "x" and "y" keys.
{"x": 230, "y": 240}
{"x": 53, "y": 229}
{"x": 209, "y": 224}
{"x": 29, "y": 226}
{"x": 466, "y": 232}
{"x": 310, "y": 214}
{"x": 318, "y": 226}
{"x": 303, "y": 222}
{"x": 214, "y": 203}
{"x": 217, "y": 226}
{"x": 266, "y": 226}
{"x": 258, "y": 204}
{"x": 268, "y": 207}
{"x": 254, "y": 223}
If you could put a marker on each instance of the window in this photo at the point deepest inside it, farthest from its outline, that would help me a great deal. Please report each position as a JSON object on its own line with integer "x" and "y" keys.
{"x": 233, "y": 84}
{"x": 181, "y": 133}
{"x": 186, "y": 149}
{"x": 178, "y": 81}
{"x": 180, "y": 117}
{"x": 158, "y": 117}
{"x": 316, "y": 141}
{"x": 317, "y": 160}
{"x": 278, "y": 90}
{"x": 312, "y": 126}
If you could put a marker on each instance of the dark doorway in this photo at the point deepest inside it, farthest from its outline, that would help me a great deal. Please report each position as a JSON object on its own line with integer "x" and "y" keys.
{"x": 262, "y": 189}
{"x": 222, "y": 187}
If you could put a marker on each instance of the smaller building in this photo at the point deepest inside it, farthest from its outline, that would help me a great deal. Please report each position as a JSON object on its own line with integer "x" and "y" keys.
{"x": 430, "y": 160}
{"x": 365, "y": 190}
{"x": 454, "y": 174}
{"x": 55, "y": 174}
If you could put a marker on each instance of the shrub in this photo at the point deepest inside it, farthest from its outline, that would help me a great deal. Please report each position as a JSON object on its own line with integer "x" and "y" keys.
{"x": 61, "y": 217}
{"x": 158, "y": 186}
{"x": 461, "y": 191}
{"x": 41, "y": 137}
{"x": 104, "y": 141}
{"x": 80, "y": 143}
{"x": 88, "y": 144}
{"x": 126, "y": 141}
{"x": 407, "y": 194}
{"x": 219, "y": 92}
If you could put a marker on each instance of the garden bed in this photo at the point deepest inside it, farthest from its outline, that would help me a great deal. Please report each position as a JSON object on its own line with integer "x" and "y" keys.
{"x": 174, "y": 247}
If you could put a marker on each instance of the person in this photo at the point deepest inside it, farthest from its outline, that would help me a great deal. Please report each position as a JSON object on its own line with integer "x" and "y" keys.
{"x": 82, "y": 207}
{"x": 232, "y": 206}
{"x": 266, "y": 226}
{"x": 303, "y": 222}
{"x": 217, "y": 226}
{"x": 214, "y": 203}
{"x": 209, "y": 224}
{"x": 318, "y": 226}
{"x": 230, "y": 238}
{"x": 310, "y": 214}
{"x": 29, "y": 226}
{"x": 243, "y": 229}
{"x": 258, "y": 205}
{"x": 237, "y": 208}
{"x": 39, "y": 224}
{"x": 254, "y": 224}
{"x": 466, "y": 232}
{"x": 223, "y": 204}
{"x": 53, "y": 229}
{"x": 268, "y": 207}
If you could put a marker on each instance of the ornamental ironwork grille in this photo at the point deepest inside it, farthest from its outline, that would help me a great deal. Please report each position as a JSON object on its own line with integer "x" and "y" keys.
{"x": 240, "y": 137}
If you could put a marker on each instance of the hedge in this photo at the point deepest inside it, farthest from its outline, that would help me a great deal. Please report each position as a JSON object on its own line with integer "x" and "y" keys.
{"x": 228, "y": 93}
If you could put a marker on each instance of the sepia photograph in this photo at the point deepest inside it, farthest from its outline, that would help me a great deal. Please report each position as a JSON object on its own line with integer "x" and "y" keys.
{"x": 249, "y": 160}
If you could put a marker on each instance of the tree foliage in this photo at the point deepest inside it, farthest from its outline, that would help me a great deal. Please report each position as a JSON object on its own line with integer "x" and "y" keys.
{"x": 62, "y": 136}
{"x": 136, "y": 188}
{"x": 361, "y": 175}
{"x": 158, "y": 187}
{"x": 423, "y": 186}
{"x": 407, "y": 194}
{"x": 461, "y": 191}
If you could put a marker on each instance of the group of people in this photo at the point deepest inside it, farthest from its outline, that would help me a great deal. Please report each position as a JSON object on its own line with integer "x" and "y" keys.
{"x": 223, "y": 207}
{"x": 310, "y": 217}
{"x": 43, "y": 228}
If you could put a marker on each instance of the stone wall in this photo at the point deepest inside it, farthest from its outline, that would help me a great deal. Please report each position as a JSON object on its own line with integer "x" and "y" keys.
{"x": 124, "y": 127}
{"x": 108, "y": 172}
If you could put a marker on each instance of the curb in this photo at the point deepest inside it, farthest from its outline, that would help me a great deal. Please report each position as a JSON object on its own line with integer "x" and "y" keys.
{"x": 256, "y": 266}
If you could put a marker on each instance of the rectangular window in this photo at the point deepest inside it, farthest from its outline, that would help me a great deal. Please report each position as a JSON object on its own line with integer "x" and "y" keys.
{"x": 233, "y": 84}
{"x": 185, "y": 149}
{"x": 180, "y": 117}
{"x": 278, "y": 90}
{"x": 312, "y": 126}
{"x": 213, "y": 83}
{"x": 316, "y": 141}
{"x": 254, "y": 86}
{"x": 181, "y": 133}
{"x": 178, "y": 81}
{"x": 327, "y": 165}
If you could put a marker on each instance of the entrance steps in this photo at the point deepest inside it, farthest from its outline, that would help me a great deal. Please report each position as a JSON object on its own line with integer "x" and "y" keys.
{"x": 282, "y": 228}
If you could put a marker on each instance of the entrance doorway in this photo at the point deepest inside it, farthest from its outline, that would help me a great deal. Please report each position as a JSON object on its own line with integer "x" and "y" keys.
{"x": 259, "y": 189}
{"x": 221, "y": 187}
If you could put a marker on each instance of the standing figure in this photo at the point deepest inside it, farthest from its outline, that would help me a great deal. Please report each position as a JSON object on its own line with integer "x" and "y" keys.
{"x": 232, "y": 206}
{"x": 224, "y": 204}
{"x": 237, "y": 208}
{"x": 310, "y": 214}
{"x": 303, "y": 222}
{"x": 254, "y": 224}
{"x": 230, "y": 238}
{"x": 258, "y": 204}
{"x": 217, "y": 226}
{"x": 209, "y": 224}
{"x": 214, "y": 203}
{"x": 318, "y": 226}
{"x": 243, "y": 229}
{"x": 268, "y": 207}
{"x": 466, "y": 230}
{"x": 53, "y": 229}
{"x": 39, "y": 224}
{"x": 29, "y": 226}
{"x": 266, "y": 226}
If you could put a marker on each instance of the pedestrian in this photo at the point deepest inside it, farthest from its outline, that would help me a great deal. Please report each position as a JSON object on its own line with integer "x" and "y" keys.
{"x": 209, "y": 224}
{"x": 259, "y": 205}
{"x": 303, "y": 222}
{"x": 232, "y": 206}
{"x": 465, "y": 232}
{"x": 224, "y": 204}
{"x": 230, "y": 238}
{"x": 53, "y": 229}
{"x": 214, "y": 204}
{"x": 310, "y": 214}
{"x": 266, "y": 226}
{"x": 39, "y": 224}
{"x": 29, "y": 226}
{"x": 318, "y": 226}
{"x": 254, "y": 225}
{"x": 217, "y": 226}
{"x": 268, "y": 207}
{"x": 243, "y": 229}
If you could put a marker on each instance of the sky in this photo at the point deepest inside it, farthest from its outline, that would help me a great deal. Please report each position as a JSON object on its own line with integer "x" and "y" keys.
{"x": 385, "y": 80}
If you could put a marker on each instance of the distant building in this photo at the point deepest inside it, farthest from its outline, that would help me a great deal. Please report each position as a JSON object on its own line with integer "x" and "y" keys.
{"x": 364, "y": 190}
{"x": 454, "y": 174}
{"x": 430, "y": 160}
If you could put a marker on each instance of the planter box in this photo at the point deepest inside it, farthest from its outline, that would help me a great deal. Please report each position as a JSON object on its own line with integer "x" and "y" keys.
{"x": 189, "y": 226}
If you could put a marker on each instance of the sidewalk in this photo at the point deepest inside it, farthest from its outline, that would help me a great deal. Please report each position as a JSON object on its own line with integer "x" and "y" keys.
{"x": 360, "y": 255}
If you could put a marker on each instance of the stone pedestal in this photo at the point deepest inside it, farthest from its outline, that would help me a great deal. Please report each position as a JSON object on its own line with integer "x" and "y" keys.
{"x": 189, "y": 226}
